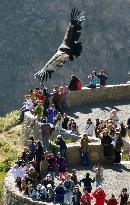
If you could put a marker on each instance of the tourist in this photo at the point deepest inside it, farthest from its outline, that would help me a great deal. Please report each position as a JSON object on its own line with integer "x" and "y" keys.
{"x": 87, "y": 181}
{"x": 57, "y": 99}
{"x": 98, "y": 169}
{"x": 50, "y": 193}
{"x": 106, "y": 141}
{"x": 39, "y": 156}
{"x": 62, "y": 166}
{"x": 76, "y": 195}
{"x": 64, "y": 104}
{"x": 72, "y": 126}
{"x": 74, "y": 176}
{"x": 124, "y": 197}
{"x": 65, "y": 121}
{"x": 32, "y": 146}
{"x": 112, "y": 200}
{"x": 103, "y": 78}
{"x": 69, "y": 185}
{"x": 59, "y": 192}
{"x": 128, "y": 127}
{"x": 41, "y": 193}
{"x": 85, "y": 198}
{"x": 84, "y": 149}
{"x": 48, "y": 180}
{"x": 89, "y": 127}
{"x": 63, "y": 147}
{"x": 118, "y": 144}
{"x": 99, "y": 195}
{"x": 75, "y": 84}
{"x": 58, "y": 122}
{"x": 52, "y": 163}
{"x": 16, "y": 171}
{"x": 114, "y": 117}
{"x": 97, "y": 127}
{"x": 122, "y": 130}
{"x": 38, "y": 111}
{"x": 51, "y": 114}
{"x": 93, "y": 80}
{"x": 46, "y": 133}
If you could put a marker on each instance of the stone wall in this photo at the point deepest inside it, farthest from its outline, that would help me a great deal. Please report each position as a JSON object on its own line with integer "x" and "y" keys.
{"x": 109, "y": 93}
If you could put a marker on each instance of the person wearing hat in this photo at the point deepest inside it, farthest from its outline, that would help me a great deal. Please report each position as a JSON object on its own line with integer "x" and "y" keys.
{"x": 89, "y": 127}
{"x": 50, "y": 193}
{"x": 85, "y": 198}
{"x": 59, "y": 192}
{"x": 76, "y": 195}
{"x": 87, "y": 181}
{"x": 100, "y": 195}
{"x": 118, "y": 144}
{"x": 48, "y": 180}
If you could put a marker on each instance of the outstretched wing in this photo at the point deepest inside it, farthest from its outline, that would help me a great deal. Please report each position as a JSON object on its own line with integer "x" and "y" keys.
{"x": 54, "y": 63}
{"x": 70, "y": 47}
{"x": 73, "y": 33}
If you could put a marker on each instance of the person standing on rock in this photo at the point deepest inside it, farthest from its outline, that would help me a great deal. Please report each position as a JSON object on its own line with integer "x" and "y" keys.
{"x": 84, "y": 149}
{"x": 98, "y": 169}
{"x": 87, "y": 181}
{"x": 46, "y": 132}
{"x": 89, "y": 127}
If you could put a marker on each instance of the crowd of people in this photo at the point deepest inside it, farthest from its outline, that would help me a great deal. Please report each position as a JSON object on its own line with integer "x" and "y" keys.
{"x": 43, "y": 175}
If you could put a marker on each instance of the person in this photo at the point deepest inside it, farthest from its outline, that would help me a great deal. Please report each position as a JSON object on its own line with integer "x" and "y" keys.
{"x": 76, "y": 195}
{"x": 122, "y": 130}
{"x": 16, "y": 171}
{"x": 89, "y": 127}
{"x": 57, "y": 99}
{"x": 124, "y": 196}
{"x": 69, "y": 185}
{"x": 75, "y": 84}
{"x": 103, "y": 78}
{"x": 87, "y": 182}
{"x": 84, "y": 149}
{"x": 114, "y": 117}
{"x": 112, "y": 200}
{"x": 46, "y": 133}
{"x": 85, "y": 198}
{"x": 128, "y": 127}
{"x": 72, "y": 126}
{"x": 100, "y": 195}
{"x": 65, "y": 121}
{"x": 97, "y": 127}
{"x": 106, "y": 142}
{"x": 59, "y": 192}
{"x": 58, "y": 122}
{"x": 50, "y": 193}
{"x": 63, "y": 147}
{"x": 64, "y": 104}
{"x": 51, "y": 114}
{"x": 98, "y": 169}
{"x": 118, "y": 144}
{"x": 32, "y": 146}
{"x": 93, "y": 80}
{"x": 38, "y": 111}
{"x": 74, "y": 176}
{"x": 52, "y": 163}
{"x": 39, "y": 156}
{"x": 48, "y": 180}
{"x": 62, "y": 165}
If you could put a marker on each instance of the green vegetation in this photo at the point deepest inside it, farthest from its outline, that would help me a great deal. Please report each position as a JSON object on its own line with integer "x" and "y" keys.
{"x": 125, "y": 157}
{"x": 10, "y": 120}
{"x": 10, "y": 146}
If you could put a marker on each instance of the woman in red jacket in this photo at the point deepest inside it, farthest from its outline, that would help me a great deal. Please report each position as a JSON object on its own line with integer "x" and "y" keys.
{"x": 99, "y": 195}
{"x": 112, "y": 200}
{"x": 85, "y": 198}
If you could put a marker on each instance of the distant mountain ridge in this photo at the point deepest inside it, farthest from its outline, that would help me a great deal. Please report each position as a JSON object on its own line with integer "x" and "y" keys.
{"x": 31, "y": 31}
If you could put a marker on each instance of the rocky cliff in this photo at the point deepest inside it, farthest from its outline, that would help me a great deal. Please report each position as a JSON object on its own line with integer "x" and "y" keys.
{"x": 31, "y": 30}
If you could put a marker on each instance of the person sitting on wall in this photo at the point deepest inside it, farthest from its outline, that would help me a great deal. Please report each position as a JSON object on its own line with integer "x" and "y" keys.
{"x": 93, "y": 80}
{"x": 75, "y": 84}
{"x": 103, "y": 78}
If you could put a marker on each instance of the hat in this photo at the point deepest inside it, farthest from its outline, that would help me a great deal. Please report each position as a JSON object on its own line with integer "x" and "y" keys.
{"x": 59, "y": 136}
{"x": 76, "y": 187}
{"x": 49, "y": 185}
{"x": 89, "y": 119}
{"x": 87, "y": 174}
{"x": 48, "y": 175}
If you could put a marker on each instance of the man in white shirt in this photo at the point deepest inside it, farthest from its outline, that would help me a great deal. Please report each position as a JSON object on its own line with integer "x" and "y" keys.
{"x": 89, "y": 127}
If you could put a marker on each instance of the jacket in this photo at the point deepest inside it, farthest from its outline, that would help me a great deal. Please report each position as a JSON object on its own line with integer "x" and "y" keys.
{"x": 100, "y": 197}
